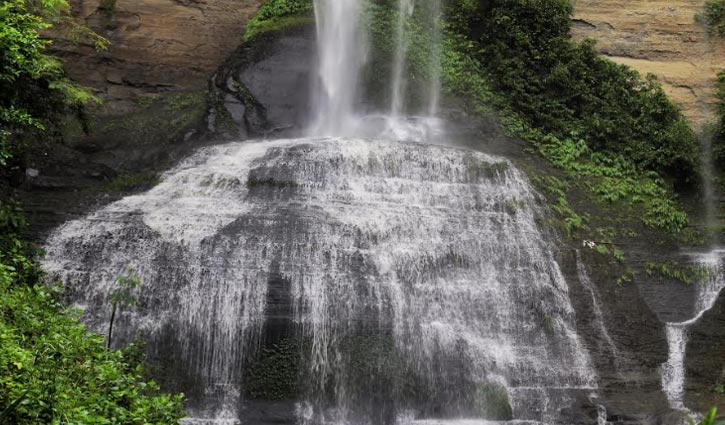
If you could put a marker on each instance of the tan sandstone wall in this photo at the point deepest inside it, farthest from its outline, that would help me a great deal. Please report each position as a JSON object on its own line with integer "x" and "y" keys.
{"x": 157, "y": 46}
{"x": 659, "y": 37}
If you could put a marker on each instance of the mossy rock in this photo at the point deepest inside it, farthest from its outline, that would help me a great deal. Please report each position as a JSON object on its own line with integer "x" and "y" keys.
{"x": 492, "y": 402}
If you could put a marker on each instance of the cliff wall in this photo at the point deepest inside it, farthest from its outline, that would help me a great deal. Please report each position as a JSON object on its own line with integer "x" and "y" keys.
{"x": 156, "y": 46}
{"x": 659, "y": 37}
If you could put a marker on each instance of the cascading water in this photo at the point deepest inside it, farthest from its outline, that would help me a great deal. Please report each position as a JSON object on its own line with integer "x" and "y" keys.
{"x": 429, "y": 18}
{"x": 342, "y": 50}
{"x": 399, "y": 82}
{"x": 606, "y": 343}
{"x": 413, "y": 277}
{"x": 424, "y": 260}
{"x": 434, "y": 67}
{"x": 673, "y": 372}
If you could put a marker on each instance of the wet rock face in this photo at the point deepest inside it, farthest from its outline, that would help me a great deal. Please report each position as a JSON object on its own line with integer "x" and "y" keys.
{"x": 156, "y": 45}
{"x": 623, "y": 334}
{"x": 659, "y": 37}
{"x": 264, "y": 88}
{"x": 706, "y": 359}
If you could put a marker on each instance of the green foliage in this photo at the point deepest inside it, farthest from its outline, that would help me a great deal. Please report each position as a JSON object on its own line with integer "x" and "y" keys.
{"x": 709, "y": 419}
{"x": 52, "y": 369}
{"x": 718, "y": 389}
{"x": 274, "y": 375}
{"x": 548, "y": 324}
{"x": 492, "y": 402}
{"x": 132, "y": 181}
{"x": 162, "y": 120}
{"x": 381, "y": 22}
{"x": 34, "y": 92}
{"x": 672, "y": 270}
{"x": 276, "y": 14}
{"x": 713, "y": 16}
{"x": 124, "y": 294}
{"x": 610, "y": 130}
{"x": 556, "y": 191}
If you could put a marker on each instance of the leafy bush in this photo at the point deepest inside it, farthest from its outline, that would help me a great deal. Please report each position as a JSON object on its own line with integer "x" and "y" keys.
{"x": 561, "y": 87}
{"x": 713, "y": 16}
{"x": 709, "y": 419}
{"x": 52, "y": 370}
{"x": 609, "y": 129}
{"x": 275, "y": 14}
{"x": 34, "y": 91}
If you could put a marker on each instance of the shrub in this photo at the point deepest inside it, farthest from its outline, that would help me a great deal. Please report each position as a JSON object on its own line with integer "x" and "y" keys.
{"x": 713, "y": 16}
{"x": 605, "y": 125}
{"x": 52, "y": 369}
{"x": 275, "y": 14}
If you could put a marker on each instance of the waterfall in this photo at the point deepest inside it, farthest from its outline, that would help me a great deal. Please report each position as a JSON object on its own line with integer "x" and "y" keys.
{"x": 413, "y": 277}
{"x": 673, "y": 371}
{"x": 342, "y": 51}
{"x": 708, "y": 183}
{"x": 434, "y": 64}
{"x": 430, "y": 19}
{"x": 399, "y": 82}
{"x": 424, "y": 260}
{"x": 607, "y": 343}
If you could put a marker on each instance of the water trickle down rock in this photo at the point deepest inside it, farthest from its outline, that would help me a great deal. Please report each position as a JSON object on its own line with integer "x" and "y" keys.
{"x": 673, "y": 372}
{"x": 421, "y": 284}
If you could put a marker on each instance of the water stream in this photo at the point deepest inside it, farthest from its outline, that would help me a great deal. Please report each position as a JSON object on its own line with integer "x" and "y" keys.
{"x": 413, "y": 276}
{"x": 673, "y": 371}
{"x": 342, "y": 51}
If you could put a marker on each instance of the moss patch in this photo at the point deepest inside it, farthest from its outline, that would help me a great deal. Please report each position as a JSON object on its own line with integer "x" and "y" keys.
{"x": 130, "y": 182}
{"x": 279, "y": 14}
{"x": 492, "y": 401}
{"x": 275, "y": 372}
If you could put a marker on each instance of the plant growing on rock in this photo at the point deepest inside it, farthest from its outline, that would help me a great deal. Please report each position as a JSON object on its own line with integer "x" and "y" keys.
{"x": 123, "y": 296}
{"x": 275, "y": 14}
{"x": 713, "y": 16}
{"x": 52, "y": 369}
{"x": 709, "y": 419}
{"x": 34, "y": 90}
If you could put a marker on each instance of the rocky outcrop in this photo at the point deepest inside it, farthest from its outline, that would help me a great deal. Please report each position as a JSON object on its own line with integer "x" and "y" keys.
{"x": 706, "y": 359}
{"x": 156, "y": 45}
{"x": 263, "y": 89}
{"x": 659, "y": 37}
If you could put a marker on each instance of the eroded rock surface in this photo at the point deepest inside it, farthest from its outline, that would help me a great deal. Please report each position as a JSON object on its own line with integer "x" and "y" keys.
{"x": 156, "y": 45}
{"x": 659, "y": 37}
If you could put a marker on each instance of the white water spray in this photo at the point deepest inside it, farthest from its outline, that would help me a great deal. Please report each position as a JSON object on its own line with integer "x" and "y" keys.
{"x": 342, "y": 51}
{"x": 402, "y": 43}
{"x": 434, "y": 65}
{"x": 673, "y": 371}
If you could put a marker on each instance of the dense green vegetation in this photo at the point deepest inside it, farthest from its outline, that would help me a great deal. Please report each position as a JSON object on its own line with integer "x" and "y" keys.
{"x": 52, "y": 369}
{"x": 713, "y": 16}
{"x": 275, "y": 14}
{"x": 34, "y": 91}
{"x": 613, "y": 133}
{"x": 709, "y": 419}
{"x": 609, "y": 129}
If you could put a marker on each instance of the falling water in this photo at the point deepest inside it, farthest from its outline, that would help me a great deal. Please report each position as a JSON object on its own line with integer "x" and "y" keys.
{"x": 342, "y": 51}
{"x": 673, "y": 372}
{"x": 428, "y": 259}
{"x": 434, "y": 66}
{"x": 418, "y": 283}
{"x": 607, "y": 343}
{"x": 708, "y": 182}
{"x": 402, "y": 42}
{"x": 430, "y": 19}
